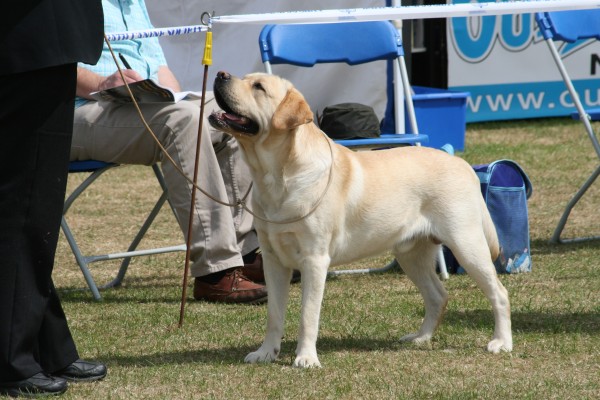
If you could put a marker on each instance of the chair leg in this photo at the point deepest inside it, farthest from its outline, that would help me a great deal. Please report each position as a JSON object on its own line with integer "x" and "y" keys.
{"x": 393, "y": 264}
{"x": 563, "y": 220}
{"x": 81, "y": 260}
{"x": 116, "y": 282}
{"x": 584, "y": 117}
{"x": 136, "y": 241}
{"x": 85, "y": 261}
{"x": 442, "y": 265}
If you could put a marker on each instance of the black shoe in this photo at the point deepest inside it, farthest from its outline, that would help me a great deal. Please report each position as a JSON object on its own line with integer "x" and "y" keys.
{"x": 82, "y": 371}
{"x": 38, "y": 385}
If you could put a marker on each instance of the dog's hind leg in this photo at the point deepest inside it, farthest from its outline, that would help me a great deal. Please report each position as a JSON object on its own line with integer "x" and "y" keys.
{"x": 278, "y": 285}
{"x": 474, "y": 257}
{"x": 419, "y": 265}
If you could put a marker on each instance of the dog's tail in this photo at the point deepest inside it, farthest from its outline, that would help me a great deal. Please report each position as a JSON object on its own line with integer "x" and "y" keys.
{"x": 489, "y": 230}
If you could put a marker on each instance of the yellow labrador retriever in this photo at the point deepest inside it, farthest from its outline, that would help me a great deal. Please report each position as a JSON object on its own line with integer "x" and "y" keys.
{"x": 321, "y": 204}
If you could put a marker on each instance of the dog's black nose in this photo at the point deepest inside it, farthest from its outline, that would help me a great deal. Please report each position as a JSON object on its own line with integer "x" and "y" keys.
{"x": 223, "y": 75}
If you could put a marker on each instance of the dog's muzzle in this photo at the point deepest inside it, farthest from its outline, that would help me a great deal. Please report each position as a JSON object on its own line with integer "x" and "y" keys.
{"x": 229, "y": 121}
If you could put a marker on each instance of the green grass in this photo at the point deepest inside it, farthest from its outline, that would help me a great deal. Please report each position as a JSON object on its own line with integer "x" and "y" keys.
{"x": 555, "y": 308}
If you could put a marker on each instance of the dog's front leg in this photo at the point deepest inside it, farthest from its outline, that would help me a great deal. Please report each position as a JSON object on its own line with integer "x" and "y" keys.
{"x": 278, "y": 285}
{"x": 313, "y": 287}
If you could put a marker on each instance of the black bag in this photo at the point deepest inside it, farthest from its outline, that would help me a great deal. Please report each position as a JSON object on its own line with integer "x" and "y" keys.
{"x": 349, "y": 121}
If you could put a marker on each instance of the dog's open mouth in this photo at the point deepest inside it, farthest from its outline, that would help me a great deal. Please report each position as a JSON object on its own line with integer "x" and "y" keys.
{"x": 229, "y": 120}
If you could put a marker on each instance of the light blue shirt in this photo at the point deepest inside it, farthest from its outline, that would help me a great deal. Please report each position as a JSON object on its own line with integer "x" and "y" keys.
{"x": 145, "y": 55}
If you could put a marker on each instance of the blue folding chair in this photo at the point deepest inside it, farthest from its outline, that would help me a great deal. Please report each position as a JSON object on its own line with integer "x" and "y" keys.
{"x": 571, "y": 26}
{"x": 95, "y": 169}
{"x": 351, "y": 43}
{"x": 306, "y": 45}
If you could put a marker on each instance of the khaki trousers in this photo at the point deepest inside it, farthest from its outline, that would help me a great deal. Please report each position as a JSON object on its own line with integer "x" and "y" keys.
{"x": 113, "y": 132}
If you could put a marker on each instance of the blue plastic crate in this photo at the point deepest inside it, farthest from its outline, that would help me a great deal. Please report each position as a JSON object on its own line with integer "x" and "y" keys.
{"x": 441, "y": 114}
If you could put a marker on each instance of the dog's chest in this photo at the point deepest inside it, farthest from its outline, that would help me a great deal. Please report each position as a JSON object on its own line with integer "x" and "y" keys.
{"x": 269, "y": 194}
{"x": 286, "y": 197}
{"x": 269, "y": 180}
{"x": 290, "y": 248}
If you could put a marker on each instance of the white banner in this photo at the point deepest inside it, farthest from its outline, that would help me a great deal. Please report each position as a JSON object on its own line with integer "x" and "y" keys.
{"x": 458, "y": 9}
{"x": 494, "y": 51}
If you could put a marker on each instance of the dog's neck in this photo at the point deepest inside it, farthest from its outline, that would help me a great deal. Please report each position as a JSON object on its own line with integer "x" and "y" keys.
{"x": 287, "y": 168}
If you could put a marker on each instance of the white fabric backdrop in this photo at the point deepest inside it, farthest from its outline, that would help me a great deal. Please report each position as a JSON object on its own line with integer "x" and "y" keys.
{"x": 235, "y": 50}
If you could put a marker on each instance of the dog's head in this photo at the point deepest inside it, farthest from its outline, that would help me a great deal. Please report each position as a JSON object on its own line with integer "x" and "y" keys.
{"x": 257, "y": 105}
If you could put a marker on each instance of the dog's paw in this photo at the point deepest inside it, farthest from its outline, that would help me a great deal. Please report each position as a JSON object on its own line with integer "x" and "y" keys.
{"x": 416, "y": 339}
{"x": 498, "y": 345}
{"x": 307, "y": 361}
{"x": 261, "y": 356}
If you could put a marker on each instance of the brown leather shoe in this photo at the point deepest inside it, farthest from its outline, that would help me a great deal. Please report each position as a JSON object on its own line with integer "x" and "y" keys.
{"x": 254, "y": 271}
{"x": 233, "y": 287}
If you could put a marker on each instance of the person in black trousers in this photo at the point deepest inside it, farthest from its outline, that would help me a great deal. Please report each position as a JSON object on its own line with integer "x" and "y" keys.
{"x": 41, "y": 42}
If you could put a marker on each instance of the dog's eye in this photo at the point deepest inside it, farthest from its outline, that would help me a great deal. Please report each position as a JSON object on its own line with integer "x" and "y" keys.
{"x": 258, "y": 86}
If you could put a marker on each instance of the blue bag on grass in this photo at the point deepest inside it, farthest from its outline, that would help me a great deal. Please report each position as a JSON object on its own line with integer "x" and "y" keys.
{"x": 505, "y": 188}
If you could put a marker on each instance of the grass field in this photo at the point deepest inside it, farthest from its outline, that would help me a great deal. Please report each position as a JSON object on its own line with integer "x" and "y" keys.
{"x": 555, "y": 308}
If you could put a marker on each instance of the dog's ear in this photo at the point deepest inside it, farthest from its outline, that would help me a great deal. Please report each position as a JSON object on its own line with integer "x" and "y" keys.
{"x": 292, "y": 112}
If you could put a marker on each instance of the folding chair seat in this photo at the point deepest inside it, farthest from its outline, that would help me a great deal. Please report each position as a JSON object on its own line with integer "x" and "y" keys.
{"x": 571, "y": 26}
{"x": 95, "y": 169}
{"x": 354, "y": 43}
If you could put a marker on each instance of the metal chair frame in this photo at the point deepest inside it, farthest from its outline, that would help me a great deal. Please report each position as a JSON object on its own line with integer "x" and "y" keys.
{"x": 570, "y": 26}
{"x": 95, "y": 170}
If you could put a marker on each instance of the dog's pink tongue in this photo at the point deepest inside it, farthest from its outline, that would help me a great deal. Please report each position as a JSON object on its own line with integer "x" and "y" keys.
{"x": 236, "y": 118}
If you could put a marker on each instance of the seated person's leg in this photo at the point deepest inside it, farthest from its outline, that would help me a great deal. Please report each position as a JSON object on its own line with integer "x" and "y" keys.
{"x": 220, "y": 236}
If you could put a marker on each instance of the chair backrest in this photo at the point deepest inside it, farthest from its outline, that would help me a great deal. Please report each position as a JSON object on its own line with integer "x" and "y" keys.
{"x": 570, "y": 26}
{"x": 352, "y": 43}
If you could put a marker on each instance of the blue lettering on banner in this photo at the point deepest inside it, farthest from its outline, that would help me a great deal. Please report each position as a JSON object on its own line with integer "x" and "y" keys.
{"x": 474, "y": 38}
{"x": 474, "y": 46}
{"x": 516, "y": 31}
{"x": 527, "y": 100}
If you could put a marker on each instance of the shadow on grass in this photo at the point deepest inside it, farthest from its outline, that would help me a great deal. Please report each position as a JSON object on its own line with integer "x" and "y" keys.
{"x": 460, "y": 323}
{"x": 218, "y": 356}
{"x": 551, "y": 323}
{"x": 151, "y": 288}
{"x": 236, "y": 355}
{"x": 543, "y": 246}
{"x": 535, "y": 321}
{"x": 145, "y": 294}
